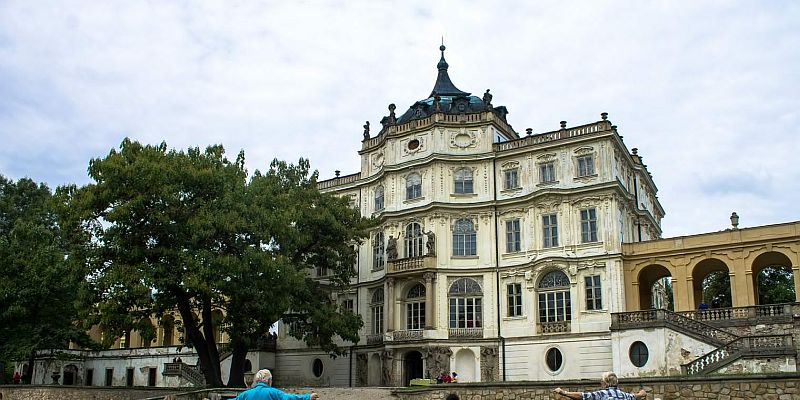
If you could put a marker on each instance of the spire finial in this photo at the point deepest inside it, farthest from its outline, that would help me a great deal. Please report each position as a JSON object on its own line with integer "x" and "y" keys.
{"x": 442, "y": 63}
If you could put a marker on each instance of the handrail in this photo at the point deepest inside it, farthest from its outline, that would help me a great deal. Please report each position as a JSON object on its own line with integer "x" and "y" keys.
{"x": 554, "y": 135}
{"x": 701, "y": 328}
{"x": 745, "y": 345}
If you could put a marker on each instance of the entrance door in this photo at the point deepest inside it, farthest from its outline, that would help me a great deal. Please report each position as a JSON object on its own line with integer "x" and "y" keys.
{"x": 412, "y": 367}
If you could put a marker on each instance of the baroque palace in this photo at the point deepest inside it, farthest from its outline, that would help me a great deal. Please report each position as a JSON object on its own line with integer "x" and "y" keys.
{"x": 507, "y": 257}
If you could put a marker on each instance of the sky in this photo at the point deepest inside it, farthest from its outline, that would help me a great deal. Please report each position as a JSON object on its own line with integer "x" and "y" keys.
{"x": 709, "y": 92}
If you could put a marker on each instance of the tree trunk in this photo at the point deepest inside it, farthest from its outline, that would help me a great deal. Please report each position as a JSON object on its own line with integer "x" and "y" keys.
{"x": 27, "y": 375}
{"x": 208, "y": 332}
{"x": 212, "y": 375}
{"x": 238, "y": 358}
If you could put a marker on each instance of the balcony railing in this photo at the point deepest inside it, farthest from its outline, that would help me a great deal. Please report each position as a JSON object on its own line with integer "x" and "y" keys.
{"x": 415, "y": 334}
{"x": 753, "y": 314}
{"x": 748, "y": 346}
{"x": 554, "y": 327}
{"x": 411, "y": 264}
{"x": 465, "y": 332}
{"x": 375, "y": 339}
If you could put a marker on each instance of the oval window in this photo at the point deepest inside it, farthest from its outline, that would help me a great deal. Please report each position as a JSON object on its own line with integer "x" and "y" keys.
{"x": 316, "y": 367}
{"x": 639, "y": 354}
{"x": 413, "y": 144}
{"x": 554, "y": 359}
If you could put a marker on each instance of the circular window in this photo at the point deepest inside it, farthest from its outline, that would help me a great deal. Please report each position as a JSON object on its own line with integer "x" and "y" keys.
{"x": 554, "y": 359}
{"x": 639, "y": 354}
{"x": 316, "y": 367}
{"x": 413, "y": 144}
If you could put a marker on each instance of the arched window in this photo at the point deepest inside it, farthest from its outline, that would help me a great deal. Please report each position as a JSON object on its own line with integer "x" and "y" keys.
{"x": 168, "y": 324}
{"x": 464, "y": 238}
{"x": 378, "y": 251}
{"x": 466, "y": 304}
{"x": 413, "y": 240}
{"x": 554, "y": 300}
{"x": 463, "y": 181}
{"x": 379, "y": 198}
{"x": 413, "y": 186}
{"x": 376, "y": 311}
{"x": 415, "y": 307}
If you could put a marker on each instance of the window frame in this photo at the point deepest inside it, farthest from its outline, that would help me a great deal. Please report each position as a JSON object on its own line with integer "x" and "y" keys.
{"x": 514, "y": 300}
{"x": 415, "y": 308}
{"x": 379, "y": 198}
{"x": 465, "y": 300}
{"x": 513, "y": 235}
{"x": 550, "y": 230}
{"x": 413, "y": 186}
{"x": 511, "y": 179}
{"x": 588, "y": 225}
{"x": 378, "y": 251}
{"x": 555, "y": 300}
{"x": 465, "y": 238}
{"x": 463, "y": 181}
{"x": 585, "y": 165}
{"x": 413, "y": 241}
{"x": 547, "y": 172}
{"x": 376, "y": 310}
{"x": 594, "y": 292}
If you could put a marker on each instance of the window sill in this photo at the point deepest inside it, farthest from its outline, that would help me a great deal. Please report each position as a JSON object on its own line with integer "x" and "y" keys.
{"x": 511, "y": 190}
{"x": 465, "y": 195}
{"x": 585, "y": 177}
{"x": 516, "y": 318}
{"x": 513, "y": 254}
{"x": 600, "y": 311}
{"x": 464, "y": 257}
{"x": 548, "y": 183}
{"x": 414, "y": 200}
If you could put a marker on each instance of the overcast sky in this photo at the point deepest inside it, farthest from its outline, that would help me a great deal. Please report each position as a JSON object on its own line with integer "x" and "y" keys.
{"x": 708, "y": 91}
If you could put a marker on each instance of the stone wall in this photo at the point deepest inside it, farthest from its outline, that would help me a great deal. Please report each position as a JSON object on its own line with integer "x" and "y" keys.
{"x": 57, "y": 392}
{"x": 768, "y": 387}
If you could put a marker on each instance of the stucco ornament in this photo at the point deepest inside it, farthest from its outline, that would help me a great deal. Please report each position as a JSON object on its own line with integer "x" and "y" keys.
{"x": 463, "y": 140}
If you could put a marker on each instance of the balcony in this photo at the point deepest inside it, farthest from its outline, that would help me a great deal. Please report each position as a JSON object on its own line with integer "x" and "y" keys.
{"x": 465, "y": 333}
{"x": 416, "y": 334}
{"x": 375, "y": 339}
{"x": 554, "y": 327}
{"x": 411, "y": 264}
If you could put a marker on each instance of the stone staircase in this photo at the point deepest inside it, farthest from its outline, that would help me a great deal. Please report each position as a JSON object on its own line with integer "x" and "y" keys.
{"x": 185, "y": 371}
{"x": 729, "y": 347}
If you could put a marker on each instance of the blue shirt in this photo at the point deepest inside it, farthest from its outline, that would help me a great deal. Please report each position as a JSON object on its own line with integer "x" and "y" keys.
{"x": 262, "y": 391}
{"x": 611, "y": 392}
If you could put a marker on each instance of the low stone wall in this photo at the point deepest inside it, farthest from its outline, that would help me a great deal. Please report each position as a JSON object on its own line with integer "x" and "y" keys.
{"x": 745, "y": 387}
{"x": 57, "y": 392}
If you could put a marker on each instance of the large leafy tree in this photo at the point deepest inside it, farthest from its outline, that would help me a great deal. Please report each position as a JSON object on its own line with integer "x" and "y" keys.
{"x": 775, "y": 285}
{"x": 192, "y": 229}
{"x": 38, "y": 307}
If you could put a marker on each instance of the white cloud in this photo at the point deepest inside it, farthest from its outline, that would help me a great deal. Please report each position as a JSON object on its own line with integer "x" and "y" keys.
{"x": 706, "y": 91}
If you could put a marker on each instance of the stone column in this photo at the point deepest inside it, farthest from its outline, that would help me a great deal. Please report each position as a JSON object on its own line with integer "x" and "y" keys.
{"x": 429, "y": 306}
{"x": 389, "y": 304}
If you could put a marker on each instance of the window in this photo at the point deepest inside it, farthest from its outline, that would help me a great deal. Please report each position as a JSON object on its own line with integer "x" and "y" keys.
{"x": 379, "y": 198}
{"x": 465, "y": 304}
{"x": 639, "y": 354}
{"x": 129, "y": 377}
{"x": 413, "y": 240}
{"x": 317, "y": 367}
{"x": 463, "y": 181}
{"x": 378, "y": 251}
{"x": 514, "y": 293}
{"x": 415, "y": 308}
{"x": 464, "y": 238}
{"x": 586, "y": 165}
{"x": 594, "y": 293}
{"x": 89, "y": 377}
{"x": 513, "y": 238}
{"x": 376, "y": 311}
{"x": 109, "y": 376}
{"x": 547, "y": 172}
{"x": 348, "y": 305}
{"x": 413, "y": 186}
{"x": 554, "y": 299}
{"x": 554, "y": 359}
{"x": 511, "y": 179}
{"x": 322, "y": 271}
{"x": 550, "y": 230}
{"x": 588, "y": 225}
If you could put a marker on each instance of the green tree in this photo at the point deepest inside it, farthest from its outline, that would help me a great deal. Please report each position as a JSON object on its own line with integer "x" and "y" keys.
{"x": 775, "y": 285}
{"x": 38, "y": 307}
{"x": 717, "y": 284}
{"x": 191, "y": 228}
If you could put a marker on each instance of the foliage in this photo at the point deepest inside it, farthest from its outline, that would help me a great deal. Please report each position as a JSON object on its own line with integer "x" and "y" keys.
{"x": 717, "y": 284}
{"x": 775, "y": 285}
{"x": 189, "y": 231}
{"x": 37, "y": 293}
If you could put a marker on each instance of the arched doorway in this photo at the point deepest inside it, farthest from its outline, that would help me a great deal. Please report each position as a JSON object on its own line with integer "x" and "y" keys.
{"x": 773, "y": 281}
{"x": 374, "y": 370}
{"x": 71, "y": 375}
{"x": 711, "y": 283}
{"x": 655, "y": 288}
{"x": 465, "y": 365}
{"x": 412, "y": 367}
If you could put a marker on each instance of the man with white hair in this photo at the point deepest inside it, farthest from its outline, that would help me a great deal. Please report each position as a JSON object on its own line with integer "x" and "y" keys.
{"x": 262, "y": 389}
{"x": 609, "y": 391}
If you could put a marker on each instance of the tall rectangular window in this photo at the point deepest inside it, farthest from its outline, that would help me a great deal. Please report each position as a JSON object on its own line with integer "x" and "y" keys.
{"x": 588, "y": 225}
{"x": 129, "y": 377}
{"x": 378, "y": 251}
{"x": 586, "y": 165}
{"x": 377, "y": 318}
{"x": 514, "y": 293}
{"x": 513, "y": 236}
{"x": 89, "y": 381}
{"x": 348, "y": 304}
{"x": 594, "y": 293}
{"x": 465, "y": 312}
{"x": 151, "y": 376}
{"x": 550, "y": 230}
{"x": 511, "y": 179}
{"x": 415, "y": 315}
{"x": 109, "y": 376}
{"x": 463, "y": 181}
{"x": 547, "y": 172}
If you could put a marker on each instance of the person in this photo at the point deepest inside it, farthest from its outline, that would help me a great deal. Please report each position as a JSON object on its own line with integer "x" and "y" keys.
{"x": 716, "y": 302}
{"x": 703, "y": 306}
{"x": 610, "y": 390}
{"x": 446, "y": 378}
{"x": 455, "y": 378}
{"x": 17, "y": 378}
{"x": 262, "y": 390}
